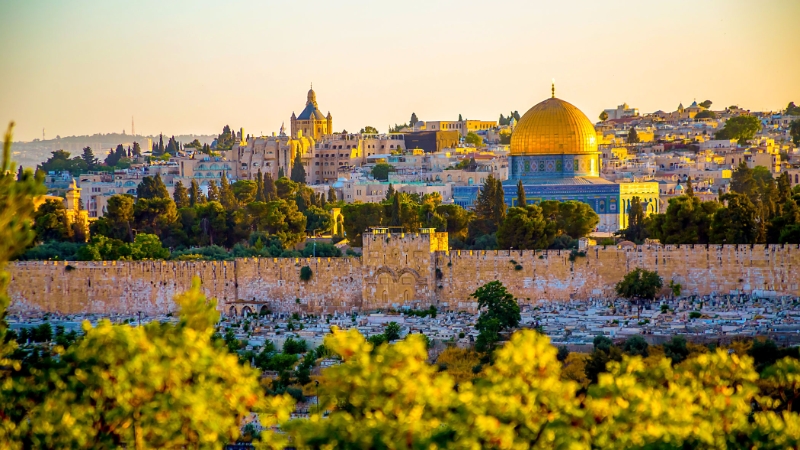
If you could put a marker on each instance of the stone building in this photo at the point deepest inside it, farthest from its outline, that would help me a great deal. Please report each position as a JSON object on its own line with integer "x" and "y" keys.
{"x": 554, "y": 153}
{"x": 311, "y": 121}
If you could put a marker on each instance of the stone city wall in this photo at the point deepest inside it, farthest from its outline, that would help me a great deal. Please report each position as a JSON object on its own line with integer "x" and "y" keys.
{"x": 113, "y": 287}
{"x": 701, "y": 270}
{"x": 395, "y": 272}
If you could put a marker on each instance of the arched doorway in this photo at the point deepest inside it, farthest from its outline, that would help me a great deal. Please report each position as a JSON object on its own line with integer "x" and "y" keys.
{"x": 232, "y": 311}
{"x": 264, "y": 311}
{"x": 246, "y": 311}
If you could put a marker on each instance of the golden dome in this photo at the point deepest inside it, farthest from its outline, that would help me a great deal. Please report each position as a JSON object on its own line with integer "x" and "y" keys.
{"x": 554, "y": 127}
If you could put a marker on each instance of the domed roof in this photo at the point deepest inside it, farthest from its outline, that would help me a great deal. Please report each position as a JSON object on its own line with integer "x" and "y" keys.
{"x": 554, "y": 127}
{"x": 311, "y": 111}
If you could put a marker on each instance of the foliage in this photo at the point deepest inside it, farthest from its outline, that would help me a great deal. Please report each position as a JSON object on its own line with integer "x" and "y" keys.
{"x": 636, "y": 231}
{"x": 686, "y": 221}
{"x": 639, "y": 284}
{"x": 392, "y": 331}
{"x": 52, "y": 250}
{"x": 794, "y": 131}
{"x": 381, "y": 171}
{"x": 358, "y": 217}
{"x": 298, "y": 174}
{"x": 740, "y": 128}
{"x": 706, "y": 115}
{"x": 633, "y": 137}
{"x": 152, "y": 187}
{"x": 735, "y": 223}
{"x": 499, "y": 313}
{"x": 603, "y": 116}
{"x": 305, "y": 273}
{"x": 525, "y": 228}
{"x": 473, "y": 139}
{"x": 101, "y": 248}
{"x": 293, "y": 346}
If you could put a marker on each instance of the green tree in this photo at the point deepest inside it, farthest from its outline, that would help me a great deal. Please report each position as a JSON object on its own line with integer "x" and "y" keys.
{"x": 706, "y": 104}
{"x": 89, "y": 158}
{"x": 245, "y": 191}
{"x": 705, "y": 115}
{"x": 456, "y": 219}
{"x": 332, "y": 195}
{"x": 286, "y": 189}
{"x": 735, "y": 223}
{"x": 50, "y": 222}
{"x": 369, "y": 130}
{"x": 118, "y": 221}
{"x": 360, "y": 216}
{"x": 603, "y": 116}
{"x": 636, "y": 231}
{"x": 195, "y": 194}
{"x": 686, "y": 221}
{"x": 473, "y": 139}
{"x": 270, "y": 188}
{"x": 181, "y": 196}
{"x": 392, "y": 331}
{"x": 155, "y": 216}
{"x": 213, "y": 191}
{"x": 521, "y": 202}
{"x": 792, "y": 110}
{"x": 226, "y": 194}
{"x": 259, "y": 194}
{"x": 573, "y": 218}
{"x": 741, "y": 128}
{"x": 499, "y": 311}
{"x": 638, "y": 286}
{"x": 318, "y": 221}
{"x": 298, "y": 171}
{"x": 413, "y": 120}
{"x": 633, "y": 137}
{"x": 381, "y": 171}
{"x": 794, "y": 131}
{"x": 152, "y": 187}
{"x": 148, "y": 246}
{"x": 137, "y": 150}
{"x": 525, "y": 229}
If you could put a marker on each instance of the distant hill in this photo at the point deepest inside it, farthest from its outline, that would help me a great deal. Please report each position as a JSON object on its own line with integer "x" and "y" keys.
{"x": 29, "y": 154}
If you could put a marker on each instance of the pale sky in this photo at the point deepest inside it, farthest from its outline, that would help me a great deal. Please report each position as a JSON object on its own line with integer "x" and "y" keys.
{"x": 83, "y": 67}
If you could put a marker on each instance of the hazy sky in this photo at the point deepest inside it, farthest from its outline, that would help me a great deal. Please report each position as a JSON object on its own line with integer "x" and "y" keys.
{"x": 82, "y": 67}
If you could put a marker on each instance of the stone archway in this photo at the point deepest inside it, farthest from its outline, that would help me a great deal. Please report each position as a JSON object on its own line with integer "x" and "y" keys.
{"x": 264, "y": 310}
{"x": 232, "y": 311}
{"x": 247, "y": 311}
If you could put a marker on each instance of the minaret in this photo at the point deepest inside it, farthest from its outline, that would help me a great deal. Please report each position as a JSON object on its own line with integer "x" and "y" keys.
{"x": 329, "y": 121}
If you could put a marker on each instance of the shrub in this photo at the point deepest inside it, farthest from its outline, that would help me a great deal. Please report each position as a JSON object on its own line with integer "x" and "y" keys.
{"x": 306, "y": 273}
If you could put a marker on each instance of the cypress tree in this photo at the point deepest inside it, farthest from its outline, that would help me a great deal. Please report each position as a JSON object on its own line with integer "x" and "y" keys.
{"x": 259, "y": 186}
{"x": 226, "y": 196}
{"x": 689, "y": 188}
{"x": 270, "y": 190}
{"x": 281, "y": 173}
{"x": 181, "y": 196}
{"x": 483, "y": 204}
{"x": 195, "y": 194}
{"x": 499, "y": 203}
{"x": 389, "y": 192}
{"x": 298, "y": 171}
{"x": 331, "y": 195}
{"x": 213, "y": 191}
{"x": 521, "y": 195}
{"x": 395, "y": 221}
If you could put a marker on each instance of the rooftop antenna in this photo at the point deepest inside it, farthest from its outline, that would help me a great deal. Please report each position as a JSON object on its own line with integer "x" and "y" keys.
{"x": 553, "y": 88}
